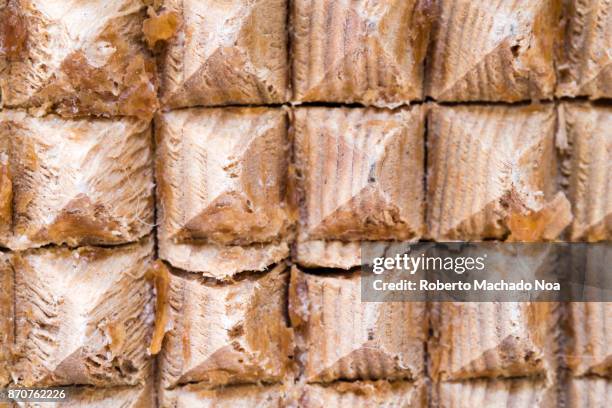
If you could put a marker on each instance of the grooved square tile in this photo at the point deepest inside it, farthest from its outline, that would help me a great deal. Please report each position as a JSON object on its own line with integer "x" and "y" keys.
{"x": 223, "y": 189}
{"x": 227, "y": 333}
{"x": 242, "y": 396}
{"x": 492, "y": 173}
{"x": 226, "y": 52}
{"x": 589, "y": 338}
{"x": 340, "y": 337}
{"x": 584, "y": 66}
{"x": 588, "y": 141}
{"x": 494, "y": 339}
{"x": 85, "y": 181}
{"x": 83, "y": 316}
{"x": 77, "y": 57}
{"x": 359, "y": 177}
{"x": 6, "y": 318}
{"x": 359, "y": 51}
{"x": 589, "y": 392}
{"x": 493, "y": 51}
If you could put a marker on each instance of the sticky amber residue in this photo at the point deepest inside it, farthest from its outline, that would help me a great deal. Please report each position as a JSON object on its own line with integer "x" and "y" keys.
{"x": 117, "y": 335}
{"x": 13, "y": 31}
{"x": 139, "y": 98}
{"x": 546, "y": 224}
{"x": 160, "y": 27}
{"x": 6, "y": 194}
{"x": 161, "y": 276}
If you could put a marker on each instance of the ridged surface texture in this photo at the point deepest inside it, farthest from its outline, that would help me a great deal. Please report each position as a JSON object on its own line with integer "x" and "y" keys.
{"x": 585, "y": 66}
{"x": 85, "y": 181}
{"x": 511, "y": 393}
{"x": 229, "y": 52}
{"x": 359, "y": 51}
{"x": 6, "y": 319}
{"x": 244, "y": 396}
{"x": 339, "y": 337}
{"x": 493, "y": 50}
{"x": 83, "y": 316}
{"x": 589, "y": 166}
{"x": 227, "y": 333}
{"x": 492, "y": 174}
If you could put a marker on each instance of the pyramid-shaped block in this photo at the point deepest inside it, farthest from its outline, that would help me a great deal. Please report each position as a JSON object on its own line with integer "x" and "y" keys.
{"x": 240, "y": 396}
{"x": 85, "y": 181}
{"x": 591, "y": 335}
{"x": 231, "y": 52}
{"x": 222, "y": 175}
{"x": 227, "y": 333}
{"x": 6, "y": 318}
{"x": 360, "y": 173}
{"x": 366, "y": 52}
{"x": 340, "y": 337}
{"x": 493, "y": 339}
{"x": 362, "y": 394}
{"x": 83, "y": 316}
{"x": 589, "y": 146}
{"x": 496, "y": 393}
{"x": 78, "y": 58}
{"x": 492, "y": 174}
{"x": 584, "y": 66}
{"x": 493, "y": 51}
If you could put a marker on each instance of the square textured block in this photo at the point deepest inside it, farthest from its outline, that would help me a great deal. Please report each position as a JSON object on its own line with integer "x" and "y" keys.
{"x": 6, "y": 318}
{"x": 363, "y": 394}
{"x": 222, "y": 333}
{"x": 590, "y": 337}
{"x": 359, "y": 51}
{"x": 223, "y": 189}
{"x": 78, "y": 58}
{"x": 588, "y": 142}
{"x": 340, "y": 337}
{"x": 85, "y": 181}
{"x": 492, "y": 173}
{"x": 494, "y": 339}
{"x": 359, "y": 177}
{"x": 226, "y": 52}
{"x": 240, "y": 396}
{"x": 585, "y": 66}
{"x": 496, "y": 393}
{"x": 493, "y": 51}
{"x": 588, "y": 392}
{"x": 83, "y": 316}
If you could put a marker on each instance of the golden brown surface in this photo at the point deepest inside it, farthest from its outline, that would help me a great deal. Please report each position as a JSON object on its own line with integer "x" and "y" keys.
{"x": 492, "y": 51}
{"x": 492, "y": 174}
{"x": 85, "y": 181}
{"x": 360, "y": 176}
{"x": 229, "y": 52}
{"x": 340, "y": 337}
{"x": 83, "y": 316}
{"x": 227, "y": 333}
{"x": 222, "y": 187}
{"x": 243, "y": 396}
{"x": 6, "y": 318}
{"x": 359, "y": 51}
{"x": 585, "y": 64}
{"x": 589, "y": 165}
{"x": 78, "y": 58}
{"x": 475, "y": 340}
